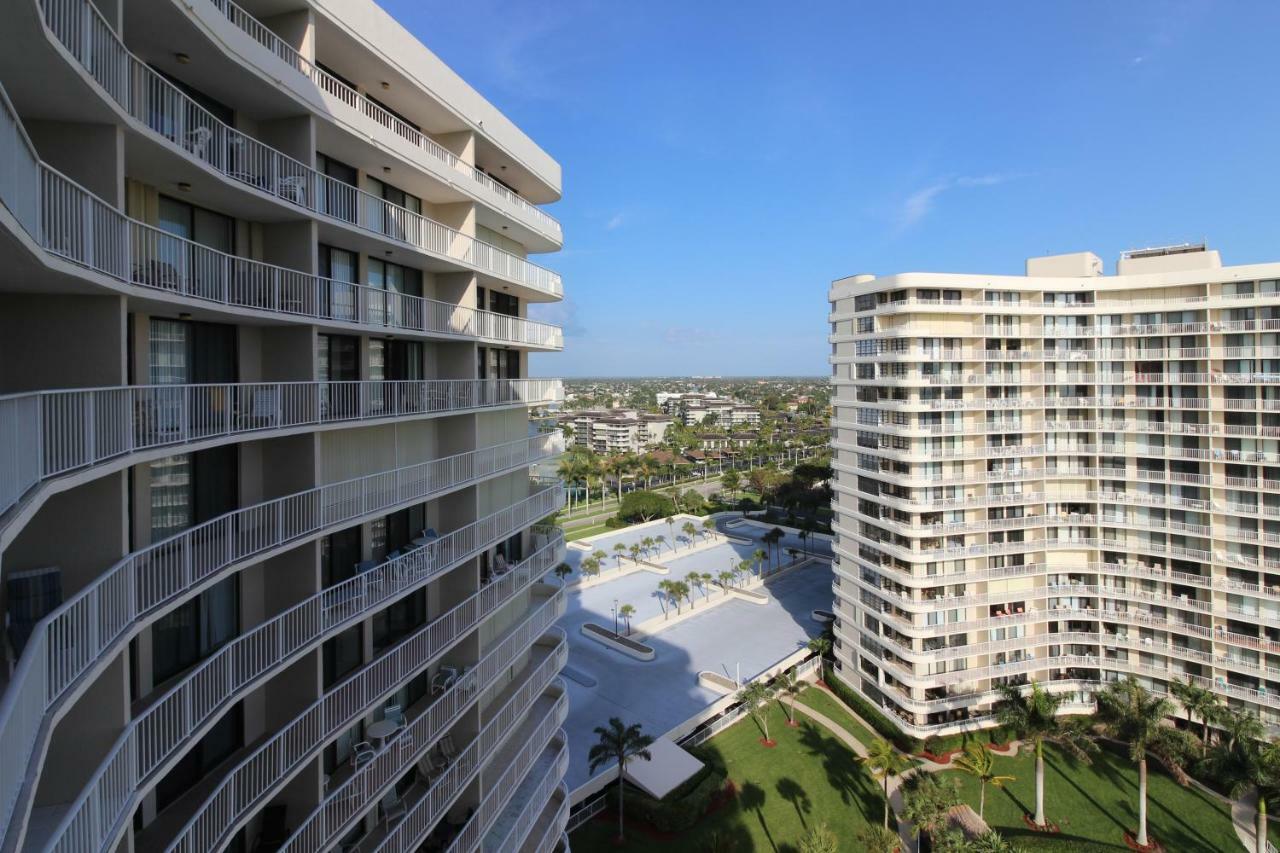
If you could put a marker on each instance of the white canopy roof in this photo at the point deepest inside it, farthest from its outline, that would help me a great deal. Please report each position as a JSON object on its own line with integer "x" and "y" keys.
{"x": 663, "y": 773}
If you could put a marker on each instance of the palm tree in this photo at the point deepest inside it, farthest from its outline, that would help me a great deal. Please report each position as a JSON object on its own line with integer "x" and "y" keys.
{"x": 626, "y": 611}
{"x": 634, "y": 551}
{"x": 563, "y": 571}
{"x": 660, "y": 540}
{"x": 820, "y": 839}
{"x": 1200, "y": 701}
{"x": 1033, "y": 717}
{"x": 979, "y": 763}
{"x": 1240, "y": 725}
{"x": 879, "y": 839}
{"x": 1135, "y": 716}
{"x": 590, "y": 567}
{"x": 761, "y": 559}
{"x": 694, "y": 579}
{"x": 806, "y": 531}
{"x": 731, "y": 481}
{"x": 619, "y": 744}
{"x": 671, "y": 528}
{"x": 647, "y": 544}
{"x": 745, "y": 567}
{"x": 789, "y": 686}
{"x": 726, "y": 580}
{"x": 679, "y": 590}
{"x": 599, "y": 556}
{"x": 664, "y": 587}
{"x": 927, "y": 802}
{"x": 709, "y": 527}
{"x": 755, "y": 696}
{"x": 884, "y": 762}
{"x": 689, "y": 531}
{"x": 707, "y": 578}
{"x": 992, "y": 842}
{"x": 618, "y": 550}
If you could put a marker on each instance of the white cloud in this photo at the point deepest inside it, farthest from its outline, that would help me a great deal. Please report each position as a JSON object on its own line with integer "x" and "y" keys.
{"x": 614, "y": 222}
{"x": 920, "y": 203}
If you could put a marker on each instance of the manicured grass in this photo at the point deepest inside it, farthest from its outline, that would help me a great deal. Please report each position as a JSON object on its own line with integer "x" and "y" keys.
{"x": 572, "y": 533}
{"x": 824, "y": 703}
{"x": 809, "y": 777}
{"x": 1094, "y": 804}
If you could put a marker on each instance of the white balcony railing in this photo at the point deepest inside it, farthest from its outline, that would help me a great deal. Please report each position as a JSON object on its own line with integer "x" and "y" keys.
{"x": 172, "y": 115}
{"x": 331, "y": 85}
{"x": 422, "y": 817}
{"x": 83, "y": 633}
{"x": 531, "y": 798}
{"x": 72, "y": 223}
{"x": 52, "y": 433}
{"x": 262, "y": 773}
{"x": 142, "y": 752}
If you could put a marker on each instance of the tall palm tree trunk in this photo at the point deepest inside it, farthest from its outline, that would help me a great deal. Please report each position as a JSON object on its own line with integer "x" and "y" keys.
{"x": 620, "y": 800}
{"x": 1040, "y": 821}
{"x": 982, "y": 799}
{"x": 886, "y": 801}
{"x": 1260, "y": 836}
{"x": 1142, "y": 803}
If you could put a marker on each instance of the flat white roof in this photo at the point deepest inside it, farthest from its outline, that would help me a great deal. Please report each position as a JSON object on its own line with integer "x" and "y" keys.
{"x": 667, "y": 768}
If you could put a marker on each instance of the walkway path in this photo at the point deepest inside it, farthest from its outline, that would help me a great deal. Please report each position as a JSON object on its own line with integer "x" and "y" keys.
{"x": 1244, "y": 816}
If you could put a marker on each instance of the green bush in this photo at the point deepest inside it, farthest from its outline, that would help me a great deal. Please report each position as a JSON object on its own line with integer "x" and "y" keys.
{"x": 680, "y": 809}
{"x": 645, "y": 506}
{"x": 613, "y": 522}
{"x": 882, "y": 725}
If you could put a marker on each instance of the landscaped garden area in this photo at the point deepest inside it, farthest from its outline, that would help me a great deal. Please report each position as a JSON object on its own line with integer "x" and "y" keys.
{"x": 779, "y": 794}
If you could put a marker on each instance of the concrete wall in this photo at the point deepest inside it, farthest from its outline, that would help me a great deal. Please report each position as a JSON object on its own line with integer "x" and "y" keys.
{"x": 62, "y": 342}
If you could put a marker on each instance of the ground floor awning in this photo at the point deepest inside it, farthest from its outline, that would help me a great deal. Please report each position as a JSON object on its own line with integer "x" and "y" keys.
{"x": 668, "y": 766}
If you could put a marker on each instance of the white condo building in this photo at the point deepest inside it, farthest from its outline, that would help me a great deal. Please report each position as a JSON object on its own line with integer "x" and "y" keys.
{"x": 273, "y": 572}
{"x": 1062, "y": 476}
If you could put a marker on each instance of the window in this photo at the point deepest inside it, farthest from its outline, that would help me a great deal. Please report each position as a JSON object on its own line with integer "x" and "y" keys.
{"x": 340, "y": 267}
{"x": 397, "y": 281}
{"x": 339, "y": 198}
{"x": 185, "y": 636}
{"x": 342, "y": 654}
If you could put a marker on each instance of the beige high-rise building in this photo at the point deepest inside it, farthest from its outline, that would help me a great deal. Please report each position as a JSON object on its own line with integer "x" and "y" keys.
{"x": 273, "y": 570}
{"x": 1064, "y": 476}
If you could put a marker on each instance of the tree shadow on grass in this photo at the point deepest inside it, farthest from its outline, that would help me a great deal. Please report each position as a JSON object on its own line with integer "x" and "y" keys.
{"x": 791, "y": 791}
{"x": 752, "y": 798}
{"x": 845, "y": 775}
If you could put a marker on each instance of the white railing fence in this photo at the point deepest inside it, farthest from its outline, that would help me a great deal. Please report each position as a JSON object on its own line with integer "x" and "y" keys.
{"x": 540, "y": 794}
{"x": 251, "y": 783}
{"x": 169, "y": 112}
{"x": 326, "y": 82}
{"x": 56, "y": 432}
{"x": 76, "y": 637}
{"x": 19, "y": 168}
{"x": 422, "y": 817}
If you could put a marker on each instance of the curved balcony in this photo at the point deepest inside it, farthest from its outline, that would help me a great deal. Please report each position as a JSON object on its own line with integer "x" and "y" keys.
{"x": 177, "y": 719}
{"x": 69, "y": 645}
{"x": 432, "y": 155}
{"x": 56, "y": 433}
{"x": 540, "y": 728}
{"x": 502, "y": 791}
{"x": 261, "y": 774}
{"x": 549, "y": 831}
{"x": 516, "y": 822}
{"x": 71, "y": 223}
{"x": 166, "y": 113}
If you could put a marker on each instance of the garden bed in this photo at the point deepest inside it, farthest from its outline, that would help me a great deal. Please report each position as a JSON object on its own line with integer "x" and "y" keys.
{"x": 626, "y": 645}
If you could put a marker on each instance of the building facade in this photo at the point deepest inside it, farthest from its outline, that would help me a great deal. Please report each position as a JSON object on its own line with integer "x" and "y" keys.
{"x": 616, "y": 431}
{"x": 274, "y": 569}
{"x": 1062, "y": 476}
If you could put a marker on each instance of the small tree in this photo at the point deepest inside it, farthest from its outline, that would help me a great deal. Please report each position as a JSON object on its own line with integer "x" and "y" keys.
{"x": 620, "y": 744}
{"x": 992, "y": 842}
{"x": 1199, "y": 701}
{"x": 745, "y": 567}
{"x": 659, "y": 541}
{"x": 979, "y": 763}
{"x": 707, "y": 578}
{"x": 1033, "y": 717}
{"x": 563, "y": 571}
{"x": 590, "y": 567}
{"x": 619, "y": 550}
{"x": 819, "y": 840}
{"x": 626, "y": 611}
{"x": 679, "y": 592}
{"x": 928, "y": 800}
{"x": 647, "y": 544}
{"x": 1135, "y": 716}
{"x": 689, "y": 531}
{"x": 884, "y": 762}
{"x": 875, "y": 838}
{"x": 694, "y": 580}
{"x": 709, "y": 527}
{"x": 664, "y": 596}
{"x": 731, "y": 482}
{"x": 755, "y": 696}
{"x": 634, "y": 551}
{"x": 644, "y": 506}
{"x": 726, "y": 580}
{"x": 761, "y": 558}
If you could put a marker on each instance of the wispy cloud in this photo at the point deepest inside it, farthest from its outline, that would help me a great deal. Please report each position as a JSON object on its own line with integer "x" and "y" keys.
{"x": 614, "y": 222}
{"x": 921, "y": 203}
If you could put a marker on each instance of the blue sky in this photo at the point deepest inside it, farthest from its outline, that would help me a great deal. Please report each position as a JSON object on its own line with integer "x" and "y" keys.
{"x": 723, "y": 162}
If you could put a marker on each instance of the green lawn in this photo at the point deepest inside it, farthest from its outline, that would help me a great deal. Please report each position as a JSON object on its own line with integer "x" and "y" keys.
{"x": 1094, "y": 804}
{"x": 809, "y": 777}
{"x": 573, "y": 534}
{"x": 824, "y": 703}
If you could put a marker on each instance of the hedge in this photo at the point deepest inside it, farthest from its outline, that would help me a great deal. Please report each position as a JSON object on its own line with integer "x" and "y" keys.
{"x": 682, "y": 808}
{"x": 882, "y": 725}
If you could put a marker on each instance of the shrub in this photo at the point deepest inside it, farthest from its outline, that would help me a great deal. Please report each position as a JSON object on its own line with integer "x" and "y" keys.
{"x": 645, "y": 506}
{"x": 882, "y": 725}
{"x": 680, "y": 809}
{"x": 613, "y": 522}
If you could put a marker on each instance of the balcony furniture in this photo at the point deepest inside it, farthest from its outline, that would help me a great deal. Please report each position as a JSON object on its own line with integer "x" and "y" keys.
{"x": 263, "y": 408}
{"x": 382, "y": 730}
{"x": 31, "y": 595}
{"x": 273, "y": 832}
{"x": 431, "y": 768}
{"x": 362, "y": 753}
{"x": 444, "y": 678}
{"x": 197, "y": 142}
{"x": 157, "y": 273}
{"x": 393, "y": 807}
{"x": 447, "y": 749}
{"x": 292, "y": 188}
{"x": 395, "y": 714}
